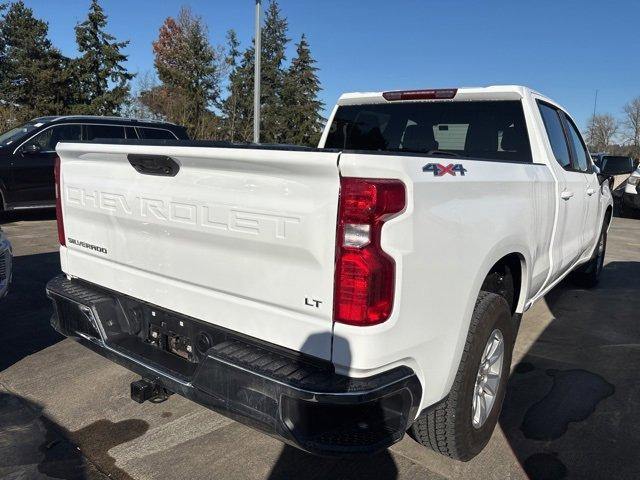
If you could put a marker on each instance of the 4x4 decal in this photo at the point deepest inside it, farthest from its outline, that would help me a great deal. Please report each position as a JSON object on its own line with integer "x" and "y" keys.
{"x": 439, "y": 170}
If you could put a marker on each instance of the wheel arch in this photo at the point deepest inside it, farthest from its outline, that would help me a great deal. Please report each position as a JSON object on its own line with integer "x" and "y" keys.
{"x": 515, "y": 264}
{"x": 608, "y": 216}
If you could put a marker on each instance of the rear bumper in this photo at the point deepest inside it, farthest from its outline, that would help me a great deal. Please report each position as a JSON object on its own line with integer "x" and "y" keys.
{"x": 297, "y": 399}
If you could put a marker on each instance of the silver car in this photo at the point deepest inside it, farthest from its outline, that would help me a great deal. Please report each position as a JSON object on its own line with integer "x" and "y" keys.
{"x": 5, "y": 264}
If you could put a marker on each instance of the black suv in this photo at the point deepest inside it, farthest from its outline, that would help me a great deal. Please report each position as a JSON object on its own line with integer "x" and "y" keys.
{"x": 27, "y": 153}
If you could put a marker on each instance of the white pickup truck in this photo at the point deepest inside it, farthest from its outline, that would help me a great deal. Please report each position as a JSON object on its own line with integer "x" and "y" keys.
{"x": 334, "y": 297}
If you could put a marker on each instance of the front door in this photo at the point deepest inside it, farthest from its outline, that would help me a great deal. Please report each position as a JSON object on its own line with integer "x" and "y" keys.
{"x": 32, "y": 166}
{"x": 592, "y": 226}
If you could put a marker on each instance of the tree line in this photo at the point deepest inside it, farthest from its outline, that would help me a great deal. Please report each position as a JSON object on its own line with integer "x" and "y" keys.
{"x": 618, "y": 136}
{"x": 206, "y": 88}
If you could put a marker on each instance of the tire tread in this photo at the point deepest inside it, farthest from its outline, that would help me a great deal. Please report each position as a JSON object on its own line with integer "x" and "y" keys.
{"x": 435, "y": 427}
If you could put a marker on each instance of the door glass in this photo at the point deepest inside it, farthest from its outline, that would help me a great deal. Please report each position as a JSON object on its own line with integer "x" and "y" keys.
{"x": 491, "y": 130}
{"x": 131, "y": 132}
{"x": 555, "y": 132}
{"x": 48, "y": 139}
{"x": 582, "y": 156}
{"x": 95, "y": 132}
{"x": 156, "y": 133}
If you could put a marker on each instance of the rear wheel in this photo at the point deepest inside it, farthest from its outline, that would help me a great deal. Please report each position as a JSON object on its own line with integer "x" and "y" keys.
{"x": 460, "y": 425}
{"x": 589, "y": 275}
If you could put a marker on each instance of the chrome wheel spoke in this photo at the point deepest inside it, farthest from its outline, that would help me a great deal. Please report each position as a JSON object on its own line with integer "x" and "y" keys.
{"x": 487, "y": 379}
{"x": 491, "y": 385}
{"x": 497, "y": 353}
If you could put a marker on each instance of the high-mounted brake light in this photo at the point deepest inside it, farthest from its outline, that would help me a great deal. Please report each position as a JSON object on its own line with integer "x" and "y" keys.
{"x": 437, "y": 94}
{"x": 365, "y": 274}
{"x": 59, "y": 219}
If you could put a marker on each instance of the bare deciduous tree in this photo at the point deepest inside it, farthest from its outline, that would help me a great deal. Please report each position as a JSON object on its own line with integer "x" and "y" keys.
{"x": 631, "y": 124}
{"x": 601, "y": 130}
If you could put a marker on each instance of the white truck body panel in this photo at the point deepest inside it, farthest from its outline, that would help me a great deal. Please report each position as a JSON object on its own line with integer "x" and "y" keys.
{"x": 245, "y": 238}
{"x": 239, "y": 238}
{"x": 435, "y": 266}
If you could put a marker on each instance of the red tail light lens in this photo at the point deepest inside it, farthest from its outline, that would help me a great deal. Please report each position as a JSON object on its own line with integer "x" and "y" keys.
{"x": 365, "y": 274}
{"x": 59, "y": 219}
{"x": 437, "y": 94}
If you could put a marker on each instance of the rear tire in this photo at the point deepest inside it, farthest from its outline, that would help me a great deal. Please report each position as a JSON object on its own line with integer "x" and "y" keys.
{"x": 455, "y": 426}
{"x": 588, "y": 275}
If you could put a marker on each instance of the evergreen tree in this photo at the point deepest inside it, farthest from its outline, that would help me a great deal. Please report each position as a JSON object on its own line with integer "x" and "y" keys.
{"x": 237, "y": 108}
{"x": 230, "y": 106}
{"x": 274, "y": 44}
{"x": 102, "y": 79}
{"x": 290, "y": 109}
{"x": 300, "y": 99}
{"x": 3, "y": 60}
{"x": 189, "y": 69}
{"x": 36, "y": 77}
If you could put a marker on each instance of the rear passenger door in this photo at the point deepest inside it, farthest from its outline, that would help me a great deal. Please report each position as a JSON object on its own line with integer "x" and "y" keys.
{"x": 591, "y": 230}
{"x": 571, "y": 190}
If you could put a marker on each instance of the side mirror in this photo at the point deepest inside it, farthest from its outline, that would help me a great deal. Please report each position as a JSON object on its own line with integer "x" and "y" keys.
{"x": 617, "y": 166}
{"x": 30, "y": 149}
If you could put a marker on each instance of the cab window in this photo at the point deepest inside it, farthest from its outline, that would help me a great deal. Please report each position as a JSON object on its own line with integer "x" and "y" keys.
{"x": 555, "y": 133}
{"x": 489, "y": 130}
{"x": 156, "y": 134}
{"x": 581, "y": 154}
{"x": 94, "y": 132}
{"x": 49, "y": 138}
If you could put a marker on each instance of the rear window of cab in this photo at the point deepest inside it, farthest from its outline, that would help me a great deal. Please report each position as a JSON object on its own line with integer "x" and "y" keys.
{"x": 490, "y": 130}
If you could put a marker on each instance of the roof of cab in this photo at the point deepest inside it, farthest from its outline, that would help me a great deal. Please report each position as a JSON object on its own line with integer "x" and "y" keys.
{"x": 493, "y": 92}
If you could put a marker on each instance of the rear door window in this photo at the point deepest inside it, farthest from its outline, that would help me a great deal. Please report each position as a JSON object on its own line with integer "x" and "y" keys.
{"x": 492, "y": 130}
{"x": 156, "y": 133}
{"x": 95, "y": 132}
{"x": 555, "y": 133}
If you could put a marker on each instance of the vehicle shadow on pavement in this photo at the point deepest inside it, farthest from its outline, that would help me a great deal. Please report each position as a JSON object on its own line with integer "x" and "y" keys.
{"x": 25, "y": 311}
{"x": 294, "y": 463}
{"x": 572, "y": 403}
{"x": 27, "y": 215}
{"x": 31, "y": 445}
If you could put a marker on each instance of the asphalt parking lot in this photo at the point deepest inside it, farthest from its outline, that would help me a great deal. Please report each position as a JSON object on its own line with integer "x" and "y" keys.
{"x": 572, "y": 407}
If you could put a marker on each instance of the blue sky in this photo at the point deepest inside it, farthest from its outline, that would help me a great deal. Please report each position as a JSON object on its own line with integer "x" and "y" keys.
{"x": 565, "y": 49}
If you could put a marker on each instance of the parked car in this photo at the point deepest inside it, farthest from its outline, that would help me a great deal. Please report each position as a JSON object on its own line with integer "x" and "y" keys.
{"x": 335, "y": 297}
{"x": 5, "y": 264}
{"x": 27, "y": 152}
{"x": 601, "y": 159}
{"x": 631, "y": 195}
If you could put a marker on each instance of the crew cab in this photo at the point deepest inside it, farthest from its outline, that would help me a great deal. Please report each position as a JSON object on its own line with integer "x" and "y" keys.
{"x": 334, "y": 297}
{"x": 27, "y": 152}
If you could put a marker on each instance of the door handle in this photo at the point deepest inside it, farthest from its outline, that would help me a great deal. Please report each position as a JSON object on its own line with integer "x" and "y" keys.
{"x": 591, "y": 191}
{"x": 566, "y": 195}
{"x": 154, "y": 164}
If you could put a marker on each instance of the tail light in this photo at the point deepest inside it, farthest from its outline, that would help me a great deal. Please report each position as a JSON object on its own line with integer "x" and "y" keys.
{"x": 59, "y": 219}
{"x": 365, "y": 274}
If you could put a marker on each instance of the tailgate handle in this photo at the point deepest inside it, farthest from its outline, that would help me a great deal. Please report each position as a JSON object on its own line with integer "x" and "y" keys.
{"x": 154, "y": 164}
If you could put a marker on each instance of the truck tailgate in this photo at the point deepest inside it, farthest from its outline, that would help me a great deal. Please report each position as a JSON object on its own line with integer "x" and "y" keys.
{"x": 242, "y": 238}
